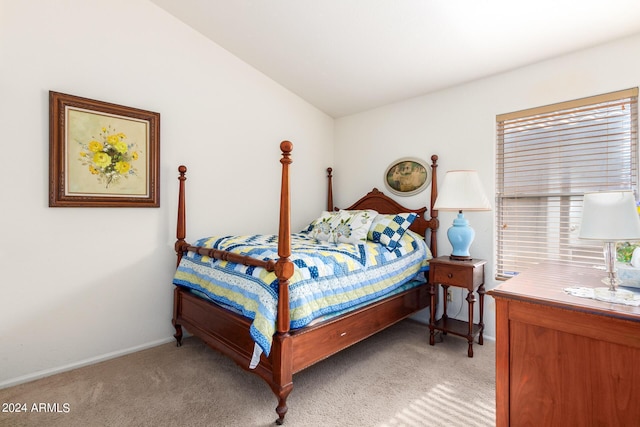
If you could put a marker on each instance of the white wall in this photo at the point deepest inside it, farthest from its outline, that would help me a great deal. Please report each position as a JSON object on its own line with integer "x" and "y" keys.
{"x": 77, "y": 284}
{"x": 458, "y": 125}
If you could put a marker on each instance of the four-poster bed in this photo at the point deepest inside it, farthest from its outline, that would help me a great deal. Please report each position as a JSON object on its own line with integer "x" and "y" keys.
{"x": 290, "y": 350}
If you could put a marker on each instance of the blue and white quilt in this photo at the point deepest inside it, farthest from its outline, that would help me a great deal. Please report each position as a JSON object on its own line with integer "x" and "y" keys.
{"x": 327, "y": 278}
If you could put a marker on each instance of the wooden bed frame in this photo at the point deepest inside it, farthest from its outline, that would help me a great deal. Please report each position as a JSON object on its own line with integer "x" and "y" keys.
{"x": 294, "y": 350}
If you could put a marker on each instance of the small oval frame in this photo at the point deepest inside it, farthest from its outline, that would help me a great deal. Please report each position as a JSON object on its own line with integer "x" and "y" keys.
{"x": 407, "y": 176}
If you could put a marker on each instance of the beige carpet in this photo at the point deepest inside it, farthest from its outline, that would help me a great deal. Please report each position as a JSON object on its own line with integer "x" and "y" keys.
{"x": 394, "y": 378}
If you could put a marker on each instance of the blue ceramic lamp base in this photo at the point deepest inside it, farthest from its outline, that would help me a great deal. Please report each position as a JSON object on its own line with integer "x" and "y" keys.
{"x": 460, "y": 236}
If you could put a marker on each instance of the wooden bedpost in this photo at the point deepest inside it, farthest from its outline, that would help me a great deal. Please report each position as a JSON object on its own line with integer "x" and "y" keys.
{"x": 181, "y": 232}
{"x": 330, "y": 190}
{"x": 434, "y": 196}
{"x": 284, "y": 266}
{"x": 181, "y": 229}
{"x": 281, "y": 351}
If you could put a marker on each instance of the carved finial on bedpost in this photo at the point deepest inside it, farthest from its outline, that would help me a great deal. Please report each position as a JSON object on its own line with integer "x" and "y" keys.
{"x": 181, "y": 229}
{"x": 330, "y": 190}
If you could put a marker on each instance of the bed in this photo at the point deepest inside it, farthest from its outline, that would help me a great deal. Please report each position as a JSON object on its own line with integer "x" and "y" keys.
{"x": 297, "y": 341}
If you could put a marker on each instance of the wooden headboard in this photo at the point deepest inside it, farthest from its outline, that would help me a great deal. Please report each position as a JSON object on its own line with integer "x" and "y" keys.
{"x": 381, "y": 203}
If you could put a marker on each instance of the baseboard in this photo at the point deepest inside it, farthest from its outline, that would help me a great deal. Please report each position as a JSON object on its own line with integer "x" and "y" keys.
{"x": 48, "y": 372}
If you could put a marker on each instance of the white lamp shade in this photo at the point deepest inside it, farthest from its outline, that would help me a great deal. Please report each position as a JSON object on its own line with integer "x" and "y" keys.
{"x": 461, "y": 190}
{"x": 610, "y": 216}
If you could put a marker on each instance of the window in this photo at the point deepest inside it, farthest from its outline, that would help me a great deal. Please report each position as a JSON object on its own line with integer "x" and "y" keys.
{"x": 546, "y": 159}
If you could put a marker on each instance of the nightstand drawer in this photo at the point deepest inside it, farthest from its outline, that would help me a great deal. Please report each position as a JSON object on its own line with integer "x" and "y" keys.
{"x": 451, "y": 275}
{"x": 456, "y": 273}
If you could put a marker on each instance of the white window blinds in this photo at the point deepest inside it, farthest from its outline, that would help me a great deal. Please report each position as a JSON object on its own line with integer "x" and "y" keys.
{"x": 547, "y": 158}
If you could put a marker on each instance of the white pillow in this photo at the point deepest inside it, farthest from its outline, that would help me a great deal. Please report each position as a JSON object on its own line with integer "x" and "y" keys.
{"x": 321, "y": 227}
{"x": 343, "y": 226}
{"x": 352, "y": 226}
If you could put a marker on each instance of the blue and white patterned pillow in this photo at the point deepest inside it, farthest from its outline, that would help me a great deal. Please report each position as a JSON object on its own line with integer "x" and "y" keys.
{"x": 389, "y": 229}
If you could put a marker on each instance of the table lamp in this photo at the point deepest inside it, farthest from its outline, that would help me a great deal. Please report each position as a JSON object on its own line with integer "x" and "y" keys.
{"x": 610, "y": 216}
{"x": 461, "y": 190}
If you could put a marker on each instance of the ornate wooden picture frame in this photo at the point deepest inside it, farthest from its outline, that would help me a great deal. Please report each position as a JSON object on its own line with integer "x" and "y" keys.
{"x": 102, "y": 154}
{"x": 407, "y": 176}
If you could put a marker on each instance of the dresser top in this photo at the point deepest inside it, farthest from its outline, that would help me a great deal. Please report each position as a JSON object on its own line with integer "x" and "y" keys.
{"x": 545, "y": 284}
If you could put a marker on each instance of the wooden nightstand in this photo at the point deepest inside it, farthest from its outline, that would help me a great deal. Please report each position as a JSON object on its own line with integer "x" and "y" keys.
{"x": 462, "y": 274}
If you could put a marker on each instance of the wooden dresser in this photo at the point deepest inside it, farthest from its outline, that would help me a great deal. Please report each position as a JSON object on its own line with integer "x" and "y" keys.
{"x": 564, "y": 360}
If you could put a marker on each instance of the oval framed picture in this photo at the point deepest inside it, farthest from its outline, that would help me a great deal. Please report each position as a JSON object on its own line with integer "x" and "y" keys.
{"x": 407, "y": 176}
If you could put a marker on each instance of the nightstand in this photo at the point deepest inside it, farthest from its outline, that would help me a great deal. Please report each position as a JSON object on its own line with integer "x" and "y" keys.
{"x": 462, "y": 274}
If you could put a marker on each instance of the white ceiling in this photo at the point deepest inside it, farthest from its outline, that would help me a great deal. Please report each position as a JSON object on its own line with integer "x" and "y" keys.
{"x": 347, "y": 56}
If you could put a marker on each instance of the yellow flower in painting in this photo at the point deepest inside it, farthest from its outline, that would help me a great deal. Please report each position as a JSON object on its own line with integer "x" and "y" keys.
{"x": 109, "y": 159}
{"x": 121, "y": 147}
{"x": 95, "y": 146}
{"x": 102, "y": 159}
{"x": 123, "y": 167}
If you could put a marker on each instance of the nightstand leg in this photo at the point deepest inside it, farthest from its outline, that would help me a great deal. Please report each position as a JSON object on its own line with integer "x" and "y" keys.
{"x": 445, "y": 297}
{"x": 432, "y": 311}
{"x": 470, "y": 299}
{"x": 481, "y": 293}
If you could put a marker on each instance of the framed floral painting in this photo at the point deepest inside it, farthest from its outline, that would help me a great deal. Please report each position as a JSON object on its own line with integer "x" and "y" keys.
{"x": 102, "y": 154}
{"x": 407, "y": 176}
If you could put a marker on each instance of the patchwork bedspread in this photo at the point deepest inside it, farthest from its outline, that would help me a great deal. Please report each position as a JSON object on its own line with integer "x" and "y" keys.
{"x": 327, "y": 278}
